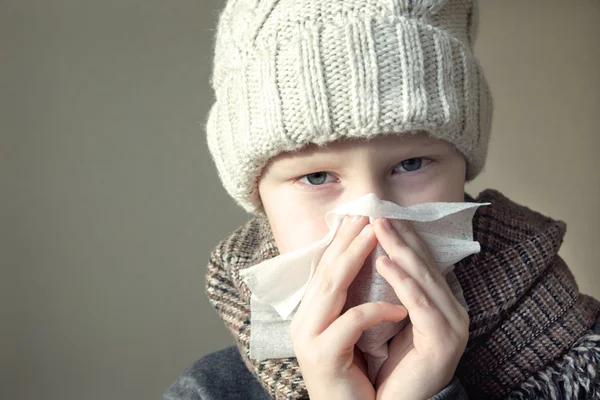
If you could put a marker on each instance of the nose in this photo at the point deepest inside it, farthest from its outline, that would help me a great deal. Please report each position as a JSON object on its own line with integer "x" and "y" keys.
{"x": 371, "y": 185}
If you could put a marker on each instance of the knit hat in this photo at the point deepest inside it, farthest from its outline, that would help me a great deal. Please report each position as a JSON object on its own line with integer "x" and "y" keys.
{"x": 288, "y": 73}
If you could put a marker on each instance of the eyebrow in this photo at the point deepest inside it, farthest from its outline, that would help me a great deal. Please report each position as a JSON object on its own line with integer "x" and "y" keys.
{"x": 300, "y": 163}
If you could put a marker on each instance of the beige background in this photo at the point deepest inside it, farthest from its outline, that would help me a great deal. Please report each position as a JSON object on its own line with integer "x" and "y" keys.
{"x": 110, "y": 202}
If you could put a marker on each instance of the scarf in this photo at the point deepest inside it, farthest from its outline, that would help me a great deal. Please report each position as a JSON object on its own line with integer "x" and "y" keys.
{"x": 524, "y": 304}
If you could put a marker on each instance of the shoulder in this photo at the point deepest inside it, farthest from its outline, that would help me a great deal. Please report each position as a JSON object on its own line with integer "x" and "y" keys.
{"x": 219, "y": 375}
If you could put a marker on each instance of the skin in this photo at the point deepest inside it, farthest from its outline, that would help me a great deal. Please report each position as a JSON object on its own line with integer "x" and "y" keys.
{"x": 297, "y": 189}
{"x": 295, "y": 208}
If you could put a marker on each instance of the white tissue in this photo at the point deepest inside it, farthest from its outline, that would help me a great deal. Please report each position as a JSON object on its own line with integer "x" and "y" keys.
{"x": 278, "y": 284}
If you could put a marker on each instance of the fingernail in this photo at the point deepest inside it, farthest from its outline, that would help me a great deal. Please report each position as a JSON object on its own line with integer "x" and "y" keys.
{"x": 366, "y": 230}
{"x": 356, "y": 218}
{"x": 385, "y": 260}
{"x": 386, "y": 224}
{"x": 400, "y": 307}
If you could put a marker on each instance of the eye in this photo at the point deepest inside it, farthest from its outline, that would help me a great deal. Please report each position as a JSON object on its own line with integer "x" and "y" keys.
{"x": 412, "y": 164}
{"x": 315, "y": 179}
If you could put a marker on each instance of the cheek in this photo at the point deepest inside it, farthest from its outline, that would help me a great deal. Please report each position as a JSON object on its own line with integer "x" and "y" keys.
{"x": 454, "y": 183}
{"x": 449, "y": 186}
{"x": 295, "y": 231}
{"x": 294, "y": 224}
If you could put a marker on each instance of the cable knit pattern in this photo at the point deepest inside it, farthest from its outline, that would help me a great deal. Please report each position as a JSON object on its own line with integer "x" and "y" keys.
{"x": 292, "y": 72}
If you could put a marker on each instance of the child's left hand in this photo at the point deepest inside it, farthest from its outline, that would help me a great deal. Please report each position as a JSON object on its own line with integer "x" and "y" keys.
{"x": 424, "y": 355}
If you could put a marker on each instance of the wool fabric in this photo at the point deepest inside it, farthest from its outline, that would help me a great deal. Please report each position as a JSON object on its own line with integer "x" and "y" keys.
{"x": 525, "y": 308}
{"x": 289, "y": 73}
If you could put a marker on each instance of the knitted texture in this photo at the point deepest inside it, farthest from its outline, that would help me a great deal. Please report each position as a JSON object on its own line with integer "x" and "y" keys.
{"x": 288, "y": 73}
{"x": 526, "y": 311}
{"x": 574, "y": 376}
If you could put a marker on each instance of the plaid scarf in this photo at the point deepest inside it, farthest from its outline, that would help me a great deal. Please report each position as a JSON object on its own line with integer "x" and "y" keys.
{"x": 525, "y": 307}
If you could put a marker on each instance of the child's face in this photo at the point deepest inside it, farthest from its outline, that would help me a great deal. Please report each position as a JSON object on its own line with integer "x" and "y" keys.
{"x": 298, "y": 189}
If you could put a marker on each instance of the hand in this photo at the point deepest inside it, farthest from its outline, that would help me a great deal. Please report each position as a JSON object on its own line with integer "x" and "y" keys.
{"x": 424, "y": 355}
{"x": 323, "y": 340}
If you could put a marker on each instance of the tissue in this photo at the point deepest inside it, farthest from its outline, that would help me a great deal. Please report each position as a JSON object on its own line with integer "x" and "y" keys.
{"x": 278, "y": 284}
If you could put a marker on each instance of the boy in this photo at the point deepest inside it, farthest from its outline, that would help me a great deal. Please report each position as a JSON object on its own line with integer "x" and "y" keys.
{"x": 319, "y": 102}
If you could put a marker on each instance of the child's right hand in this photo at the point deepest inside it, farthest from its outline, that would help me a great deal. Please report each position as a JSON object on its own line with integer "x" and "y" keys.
{"x": 323, "y": 340}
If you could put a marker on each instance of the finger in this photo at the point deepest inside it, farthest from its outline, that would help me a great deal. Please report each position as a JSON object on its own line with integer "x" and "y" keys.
{"x": 398, "y": 348}
{"x": 326, "y": 295}
{"x": 404, "y": 245}
{"x": 360, "y": 361}
{"x": 424, "y": 273}
{"x": 329, "y": 274}
{"x": 407, "y": 234}
{"x": 351, "y": 226}
{"x": 412, "y": 239}
{"x": 424, "y": 313}
{"x": 345, "y": 331}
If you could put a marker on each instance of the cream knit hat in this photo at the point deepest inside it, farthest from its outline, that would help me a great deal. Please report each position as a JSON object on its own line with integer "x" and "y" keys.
{"x": 292, "y": 72}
